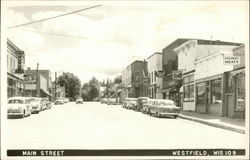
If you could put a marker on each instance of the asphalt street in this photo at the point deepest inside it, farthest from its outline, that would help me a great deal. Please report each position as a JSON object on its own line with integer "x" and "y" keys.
{"x": 93, "y": 125}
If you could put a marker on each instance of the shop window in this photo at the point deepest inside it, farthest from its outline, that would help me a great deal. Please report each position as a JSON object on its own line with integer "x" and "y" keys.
{"x": 240, "y": 91}
{"x": 188, "y": 93}
{"x": 216, "y": 94}
{"x": 200, "y": 90}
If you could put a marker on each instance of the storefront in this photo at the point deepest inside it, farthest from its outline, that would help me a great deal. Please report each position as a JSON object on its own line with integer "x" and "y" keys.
{"x": 173, "y": 91}
{"x": 188, "y": 103}
{"x": 15, "y": 86}
{"x": 209, "y": 97}
{"x": 235, "y": 96}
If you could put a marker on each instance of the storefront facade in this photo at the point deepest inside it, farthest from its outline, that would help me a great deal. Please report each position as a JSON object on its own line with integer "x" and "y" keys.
{"x": 15, "y": 64}
{"x": 210, "y": 84}
{"x": 235, "y": 96}
{"x": 155, "y": 83}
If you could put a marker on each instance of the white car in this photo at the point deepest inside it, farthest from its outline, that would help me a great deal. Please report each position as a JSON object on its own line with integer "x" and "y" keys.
{"x": 19, "y": 106}
{"x": 35, "y": 104}
{"x": 79, "y": 101}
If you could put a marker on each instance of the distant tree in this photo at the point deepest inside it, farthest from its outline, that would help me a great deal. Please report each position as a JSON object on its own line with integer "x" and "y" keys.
{"x": 90, "y": 90}
{"x": 71, "y": 83}
{"x": 84, "y": 92}
{"x": 118, "y": 80}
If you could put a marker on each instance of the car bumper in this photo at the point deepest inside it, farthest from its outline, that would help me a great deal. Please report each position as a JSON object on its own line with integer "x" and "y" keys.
{"x": 15, "y": 114}
{"x": 168, "y": 114}
{"x": 35, "y": 109}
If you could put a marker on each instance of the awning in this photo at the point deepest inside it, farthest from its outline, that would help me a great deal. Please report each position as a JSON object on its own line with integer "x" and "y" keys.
{"x": 46, "y": 92}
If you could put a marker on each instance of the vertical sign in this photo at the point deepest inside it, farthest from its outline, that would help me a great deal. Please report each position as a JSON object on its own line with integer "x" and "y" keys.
{"x": 20, "y": 59}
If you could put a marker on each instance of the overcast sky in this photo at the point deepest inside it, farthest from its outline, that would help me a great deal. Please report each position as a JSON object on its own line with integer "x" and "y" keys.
{"x": 102, "y": 41}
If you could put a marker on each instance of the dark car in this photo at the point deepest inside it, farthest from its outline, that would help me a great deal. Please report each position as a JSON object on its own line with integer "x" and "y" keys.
{"x": 139, "y": 103}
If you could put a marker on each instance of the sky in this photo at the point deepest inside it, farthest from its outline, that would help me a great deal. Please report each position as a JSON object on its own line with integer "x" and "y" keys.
{"x": 102, "y": 41}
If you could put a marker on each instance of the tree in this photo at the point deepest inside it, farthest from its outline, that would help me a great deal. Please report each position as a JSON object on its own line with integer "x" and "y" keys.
{"x": 90, "y": 90}
{"x": 71, "y": 83}
{"x": 118, "y": 80}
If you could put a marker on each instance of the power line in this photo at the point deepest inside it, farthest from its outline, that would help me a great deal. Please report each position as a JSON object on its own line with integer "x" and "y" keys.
{"x": 53, "y": 17}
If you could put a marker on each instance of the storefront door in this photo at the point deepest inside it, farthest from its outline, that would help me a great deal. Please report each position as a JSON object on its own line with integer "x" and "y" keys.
{"x": 215, "y": 97}
{"x": 201, "y": 97}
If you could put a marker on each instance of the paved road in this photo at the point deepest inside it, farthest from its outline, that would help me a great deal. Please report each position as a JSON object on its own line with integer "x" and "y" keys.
{"x": 93, "y": 125}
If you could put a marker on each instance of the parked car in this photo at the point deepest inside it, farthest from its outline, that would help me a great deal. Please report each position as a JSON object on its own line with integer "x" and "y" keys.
{"x": 111, "y": 101}
{"x": 59, "y": 101}
{"x": 66, "y": 100}
{"x": 47, "y": 103}
{"x": 96, "y": 99}
{"x": 19, "y": 106}
{"x": 145, "y": 106}
{"x": 36, "y": 104}
{"x": 129, "y": 103}
{"x": 104, "y": 100}
{"x": 140, "y": 101}
{"x": 164, "y": 108}
{"x": 79, "y": 101}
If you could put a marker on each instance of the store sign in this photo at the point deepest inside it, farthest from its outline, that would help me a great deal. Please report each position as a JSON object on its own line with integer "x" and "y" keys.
{"x": 159, "y": 74}
{"x": 146, "y": 81}
{"x": 177, "y": 74}
{"x": 20, "y": 59}
{"x": 231, "y": 60}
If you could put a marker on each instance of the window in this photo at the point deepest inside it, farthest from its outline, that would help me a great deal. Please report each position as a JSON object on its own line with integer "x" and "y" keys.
{"x": 188, "y": 88}
{"x": 216, "y": 92}
{"x": 155, "y": 76}
{"x": 188, "y": 93}
{"x": 152, "y": 76}
{"x": 188, "y": 79}
{"x": 174, "y": 64}
{"x": 240, "y": 91}
{"x": 169, "y": 67}
{"x": 200, "y": 90}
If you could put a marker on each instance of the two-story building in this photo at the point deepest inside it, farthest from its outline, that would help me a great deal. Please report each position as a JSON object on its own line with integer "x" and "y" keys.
{"x": 39, "y": 83}
{"x": 15, "y": 71}
{"x": 132, "y": 78}
{"x": 171, "y": 86}
{"x": 197, "y": 60}
{"x": 155, "y": 83}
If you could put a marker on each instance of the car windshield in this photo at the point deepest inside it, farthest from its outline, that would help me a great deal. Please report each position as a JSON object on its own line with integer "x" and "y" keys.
{"x": 15, "y": 101}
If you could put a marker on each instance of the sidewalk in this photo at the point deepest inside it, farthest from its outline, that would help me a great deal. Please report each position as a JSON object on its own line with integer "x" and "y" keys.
{"x": 236, "y": 125}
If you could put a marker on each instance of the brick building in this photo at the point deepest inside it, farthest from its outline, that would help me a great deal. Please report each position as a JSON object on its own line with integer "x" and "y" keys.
{"x": 132, "y": 78}
{"x": 44, "y": 88}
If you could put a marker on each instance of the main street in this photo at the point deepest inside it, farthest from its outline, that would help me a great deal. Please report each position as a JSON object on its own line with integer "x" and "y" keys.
{"x": 93, "y": 125}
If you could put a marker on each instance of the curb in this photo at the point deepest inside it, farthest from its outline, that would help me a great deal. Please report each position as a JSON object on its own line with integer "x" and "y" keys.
{"x": 212, "y": 124}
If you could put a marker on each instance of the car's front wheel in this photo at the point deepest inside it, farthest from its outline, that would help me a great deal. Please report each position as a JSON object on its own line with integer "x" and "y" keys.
{"x": 175, "y": 116}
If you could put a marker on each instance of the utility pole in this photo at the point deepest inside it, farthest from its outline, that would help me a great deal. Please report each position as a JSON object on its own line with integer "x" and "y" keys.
{"x": 37, "y": 83}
